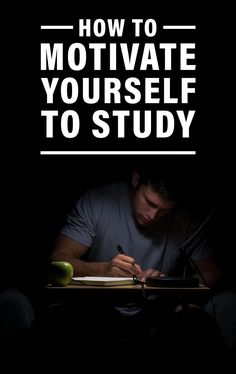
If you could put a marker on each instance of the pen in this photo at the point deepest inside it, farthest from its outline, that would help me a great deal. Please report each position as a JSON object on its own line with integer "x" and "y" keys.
{"x": 135, "y": 277}
{"x": 120, "y": 250}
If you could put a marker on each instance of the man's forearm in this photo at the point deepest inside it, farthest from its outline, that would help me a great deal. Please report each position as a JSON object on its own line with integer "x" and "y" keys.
{"x": 84, "y": 268}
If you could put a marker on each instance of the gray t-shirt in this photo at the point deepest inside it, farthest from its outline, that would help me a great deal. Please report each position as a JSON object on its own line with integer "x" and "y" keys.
{"x": 102, "y": 219}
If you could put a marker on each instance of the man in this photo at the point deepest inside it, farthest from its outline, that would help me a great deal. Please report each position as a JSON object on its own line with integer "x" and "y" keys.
{"x": 146, "y": 219}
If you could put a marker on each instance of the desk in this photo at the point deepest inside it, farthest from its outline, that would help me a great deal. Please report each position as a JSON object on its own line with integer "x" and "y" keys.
{"x": 86, "y": 313}
{"x": 97, "y": 323}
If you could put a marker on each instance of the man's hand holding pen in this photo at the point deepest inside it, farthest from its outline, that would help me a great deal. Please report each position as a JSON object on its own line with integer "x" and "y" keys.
{"x": 123, "y": 265}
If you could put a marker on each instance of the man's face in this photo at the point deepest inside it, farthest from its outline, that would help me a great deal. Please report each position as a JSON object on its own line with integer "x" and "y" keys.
{"x": 149, "y": 206}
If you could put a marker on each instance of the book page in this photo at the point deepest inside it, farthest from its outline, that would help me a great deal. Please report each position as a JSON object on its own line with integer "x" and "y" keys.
{"x": 94, "y": 280}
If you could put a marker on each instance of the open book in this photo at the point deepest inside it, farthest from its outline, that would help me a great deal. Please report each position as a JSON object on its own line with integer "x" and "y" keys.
{"x": 102, "y": 281}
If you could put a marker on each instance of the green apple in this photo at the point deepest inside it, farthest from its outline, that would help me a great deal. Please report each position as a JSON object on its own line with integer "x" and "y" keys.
{"x": 60, "y": 273}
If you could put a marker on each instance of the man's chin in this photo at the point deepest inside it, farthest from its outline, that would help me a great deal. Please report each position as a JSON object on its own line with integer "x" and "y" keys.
{"x": 142, "y": 222}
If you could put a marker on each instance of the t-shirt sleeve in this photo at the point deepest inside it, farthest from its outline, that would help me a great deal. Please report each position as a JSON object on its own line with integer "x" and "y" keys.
{"x": 81, "y": 221}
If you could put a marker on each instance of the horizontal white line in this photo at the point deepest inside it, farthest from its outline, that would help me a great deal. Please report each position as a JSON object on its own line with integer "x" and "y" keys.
{"x": 117, "y": 152}
{"x": 54, "y": 27}
{"x": 175, "y": 27}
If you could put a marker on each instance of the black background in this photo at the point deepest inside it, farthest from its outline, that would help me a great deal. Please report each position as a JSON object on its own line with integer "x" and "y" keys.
{"x": 39, "y": 190}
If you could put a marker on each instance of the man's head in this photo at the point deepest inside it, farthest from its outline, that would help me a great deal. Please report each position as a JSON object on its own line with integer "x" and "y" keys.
{"x": 154, "y": 194}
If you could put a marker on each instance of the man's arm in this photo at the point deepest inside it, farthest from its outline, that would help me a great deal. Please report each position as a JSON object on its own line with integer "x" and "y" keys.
{"x": 70, "y": 250}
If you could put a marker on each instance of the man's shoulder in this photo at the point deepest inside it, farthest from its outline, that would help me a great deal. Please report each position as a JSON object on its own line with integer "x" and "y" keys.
{"x": 104, "y": 198}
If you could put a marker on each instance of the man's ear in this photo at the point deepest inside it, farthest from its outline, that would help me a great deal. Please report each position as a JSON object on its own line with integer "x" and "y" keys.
{"x": 135, "y": 179}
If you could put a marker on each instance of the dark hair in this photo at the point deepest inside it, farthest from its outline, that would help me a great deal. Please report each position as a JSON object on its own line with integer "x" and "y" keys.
{"x": 164, "y": 178}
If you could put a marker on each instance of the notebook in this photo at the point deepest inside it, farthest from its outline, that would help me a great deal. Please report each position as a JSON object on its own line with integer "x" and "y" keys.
{"x": 102, "y": 281}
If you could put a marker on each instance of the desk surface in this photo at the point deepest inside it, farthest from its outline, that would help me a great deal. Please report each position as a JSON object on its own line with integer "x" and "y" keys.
{"x": 126, "y": 289}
